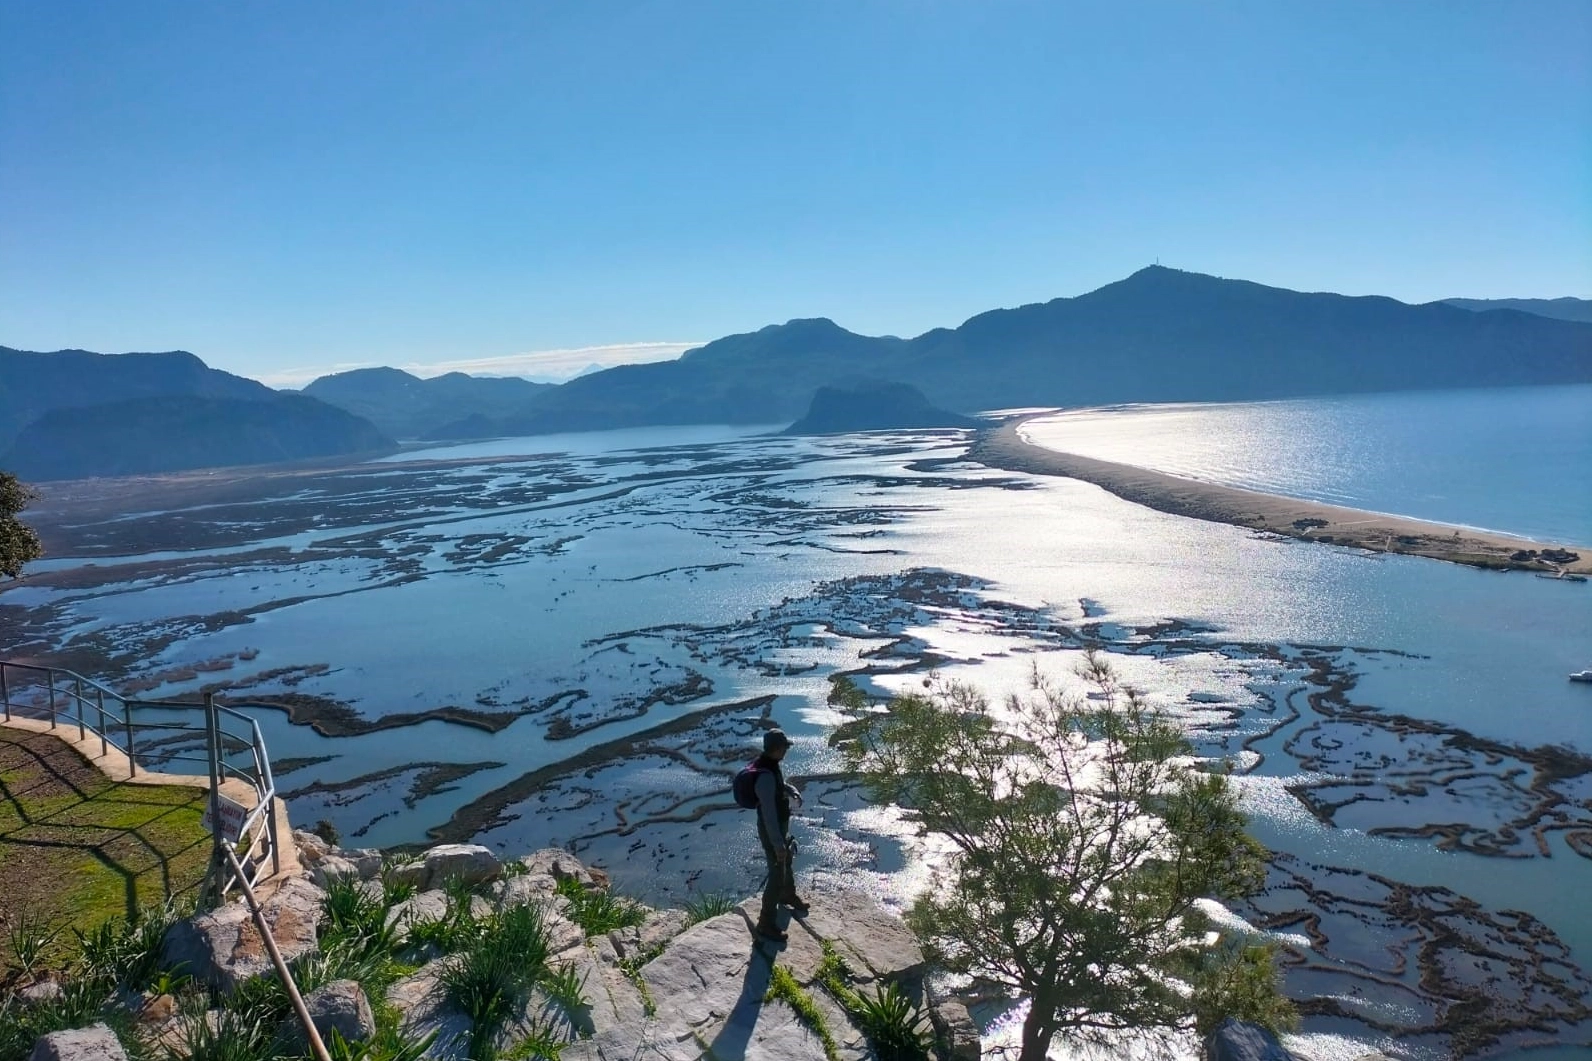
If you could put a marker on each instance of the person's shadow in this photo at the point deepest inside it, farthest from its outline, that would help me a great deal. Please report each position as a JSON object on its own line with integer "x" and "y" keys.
{"x": 730, "y": 1044}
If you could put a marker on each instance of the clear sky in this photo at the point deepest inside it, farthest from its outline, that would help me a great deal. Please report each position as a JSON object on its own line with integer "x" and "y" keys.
{"x": 289, "y": 187}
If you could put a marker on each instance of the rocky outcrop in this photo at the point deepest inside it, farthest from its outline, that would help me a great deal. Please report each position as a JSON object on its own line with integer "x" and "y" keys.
{"x": 1237, "y": 1040}
{"x": 341, "y": 1006}
{"x": 223, "y": 948}
{"x": 662, "y": 987}
{"x": 95, "y": 1043}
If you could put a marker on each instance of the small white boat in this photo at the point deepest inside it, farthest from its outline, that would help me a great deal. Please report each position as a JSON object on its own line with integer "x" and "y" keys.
{"x": 1581, "y": 675}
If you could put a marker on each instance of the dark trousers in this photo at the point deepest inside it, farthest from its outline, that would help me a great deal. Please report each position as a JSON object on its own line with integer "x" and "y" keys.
{"x": 781, "y": 876}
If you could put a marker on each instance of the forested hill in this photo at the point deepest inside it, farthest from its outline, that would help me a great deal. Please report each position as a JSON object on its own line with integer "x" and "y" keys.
{"x": 72, "y": 414}
{"x": 1159, "y": 335}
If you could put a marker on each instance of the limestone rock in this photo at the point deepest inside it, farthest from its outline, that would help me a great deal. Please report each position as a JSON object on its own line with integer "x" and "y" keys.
{"x": 955, "y": 1024}
{"x": 471, "y": 863}
{"x": 658, "y": 929}
{"x": 872, "y": 940}
{"x": 425, "y": 1008}
{"x": 222, "y": 947}
{"x": 39, "y": 993}
{"x": 311, "y": 848}
{"x": 1237, "y": 1040}
{"x": 340, "y": 1005}
{"x": 367, "y": 862}
{"x": 95, "y": 1043}
{"x": 559, "y": 864}
{"x": 427, "y": 906}
{"x": 333, "y": 868}
{"x": 522, "y": 890}
{"x": 707, "y": 972}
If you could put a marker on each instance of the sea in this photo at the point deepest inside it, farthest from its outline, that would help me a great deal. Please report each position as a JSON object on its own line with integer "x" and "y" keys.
{"x": 628, "y": 609}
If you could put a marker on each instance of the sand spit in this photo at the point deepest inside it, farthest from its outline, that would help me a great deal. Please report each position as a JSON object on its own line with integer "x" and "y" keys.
{"x": 1003, "y": 447}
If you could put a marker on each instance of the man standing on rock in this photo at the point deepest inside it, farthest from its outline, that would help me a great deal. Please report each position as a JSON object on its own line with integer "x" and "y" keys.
{"x": 774, "y": 797}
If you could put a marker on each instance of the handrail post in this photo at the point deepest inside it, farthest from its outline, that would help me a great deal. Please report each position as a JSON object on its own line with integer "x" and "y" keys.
{"x": 5, "y": 691}
{"x": 51, "y": 674}
{"x": 77, "y": 698}
{"x": 268, "y": 792}
{"x": 99, "y": 701}
{"x": 127, "y": 723}
{"x": 218, "y": 840}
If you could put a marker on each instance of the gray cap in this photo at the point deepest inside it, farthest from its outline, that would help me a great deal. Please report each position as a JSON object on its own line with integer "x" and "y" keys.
{"x": 775, "y": 738}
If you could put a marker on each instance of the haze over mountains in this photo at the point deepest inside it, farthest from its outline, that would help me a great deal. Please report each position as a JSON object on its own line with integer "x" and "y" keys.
{"x": 1158, "y": 335}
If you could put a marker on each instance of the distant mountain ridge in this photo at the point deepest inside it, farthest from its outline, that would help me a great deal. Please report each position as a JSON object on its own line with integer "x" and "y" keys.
{"x": 73, "y": 413}
{"x": 406, "y": 406}
{"x": 1565, "y": 309}
{"x": 33, "y": 383}
{"x": 1158, "y": 335}
{"x": 180, "y": 432}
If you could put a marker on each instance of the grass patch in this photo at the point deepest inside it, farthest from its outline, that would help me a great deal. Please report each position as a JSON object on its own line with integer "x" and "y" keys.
{"x": 599, "y": 912}
{"x": 895, "y": 1027}
{"x": 708, "y": 906}
{"x": 77, "y": 849}
{"x": 783, "y": 986}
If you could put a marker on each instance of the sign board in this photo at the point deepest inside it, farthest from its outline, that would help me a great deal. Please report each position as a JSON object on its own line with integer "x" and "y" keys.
{"x": 232, "y": 815}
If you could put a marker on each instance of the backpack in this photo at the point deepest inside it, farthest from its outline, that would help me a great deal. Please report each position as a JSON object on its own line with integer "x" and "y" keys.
{"x": 744, "y": 786}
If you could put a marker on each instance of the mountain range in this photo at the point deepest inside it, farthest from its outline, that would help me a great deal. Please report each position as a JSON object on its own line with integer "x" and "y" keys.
{"x": 1158, "y": 335}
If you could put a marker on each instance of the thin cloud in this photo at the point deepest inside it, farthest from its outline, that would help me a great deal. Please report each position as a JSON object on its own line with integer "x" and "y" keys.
{"x": 545, "y": 364}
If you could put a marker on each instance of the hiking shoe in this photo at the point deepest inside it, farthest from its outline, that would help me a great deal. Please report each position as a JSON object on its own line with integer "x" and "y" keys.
{"x": 772, "y": 933}
{"x": 797, "y": 905}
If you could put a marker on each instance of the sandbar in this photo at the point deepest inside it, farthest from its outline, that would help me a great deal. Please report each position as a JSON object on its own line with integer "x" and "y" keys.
{"x": 1004, "y": 447}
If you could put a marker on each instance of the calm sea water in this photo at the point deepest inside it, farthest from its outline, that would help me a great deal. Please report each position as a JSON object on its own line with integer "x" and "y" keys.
{"x": 1508, "y": 459}
{"x": 674, "y": 540}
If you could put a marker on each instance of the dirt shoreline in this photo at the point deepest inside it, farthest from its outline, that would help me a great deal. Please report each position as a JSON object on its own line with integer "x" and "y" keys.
{"x": 1003, "y": 447}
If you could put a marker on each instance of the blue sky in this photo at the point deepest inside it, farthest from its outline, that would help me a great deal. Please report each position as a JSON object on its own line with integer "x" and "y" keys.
{"x": 285, "y": 188}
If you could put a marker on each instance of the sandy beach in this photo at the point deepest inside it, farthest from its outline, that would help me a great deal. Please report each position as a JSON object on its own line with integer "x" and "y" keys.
{"x": 1003, "y": 447}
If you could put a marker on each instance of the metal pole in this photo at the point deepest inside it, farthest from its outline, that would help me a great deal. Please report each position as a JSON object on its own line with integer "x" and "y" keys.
{"x": 5, "y": 691}
{"x": 77, "y": 698}
{"x": 52, "y": 698}
{"x": 317, "y": 1046}
{"x": 213, "y": 753}
{"x": 132, "y": 754}
{"x": 99, "y": 702}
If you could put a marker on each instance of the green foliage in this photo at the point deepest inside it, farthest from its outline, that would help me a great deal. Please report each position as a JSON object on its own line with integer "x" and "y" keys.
{"x": 30, "y": 936}
{"x": 80, "y": 1005}
{"x": 540, "y": 1043}
{"x": 1241, "y": 980}
{"x": 496, "y": 972}
{"x": 118, "y": 951}
{"x": 566, "y": 986}
{"x": 395, "y": 889}
{"x": 379, "y": 1047}
{"x": 632, "y": 966}
{"x": 847, "y": 694}
{"x": 356, "y": 921}
{"x": 231, "y": 1035}
{"x": 599, "y": 912}
{"x": 783, "y": 987}
{"x": 896, "y": 1028}
{"x": 706, "y": 907}
{"x": 18, "y": 543}
{"x": 1082, "y": 837}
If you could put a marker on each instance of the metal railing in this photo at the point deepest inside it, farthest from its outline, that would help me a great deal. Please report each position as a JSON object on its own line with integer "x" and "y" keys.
{"x": 202, "y": 739}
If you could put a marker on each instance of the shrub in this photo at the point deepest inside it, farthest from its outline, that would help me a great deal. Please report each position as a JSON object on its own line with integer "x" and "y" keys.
{"x": 599, "y": 912}
{"x": 495, "y": 972}
{"x": 706, "y": 907}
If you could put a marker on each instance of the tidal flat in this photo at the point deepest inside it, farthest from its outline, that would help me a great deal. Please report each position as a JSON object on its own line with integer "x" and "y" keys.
{"x": 576, "y": 644}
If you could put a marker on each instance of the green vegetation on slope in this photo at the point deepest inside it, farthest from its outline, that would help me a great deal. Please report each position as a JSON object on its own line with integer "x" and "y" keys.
{"x": 77, "y": 848}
